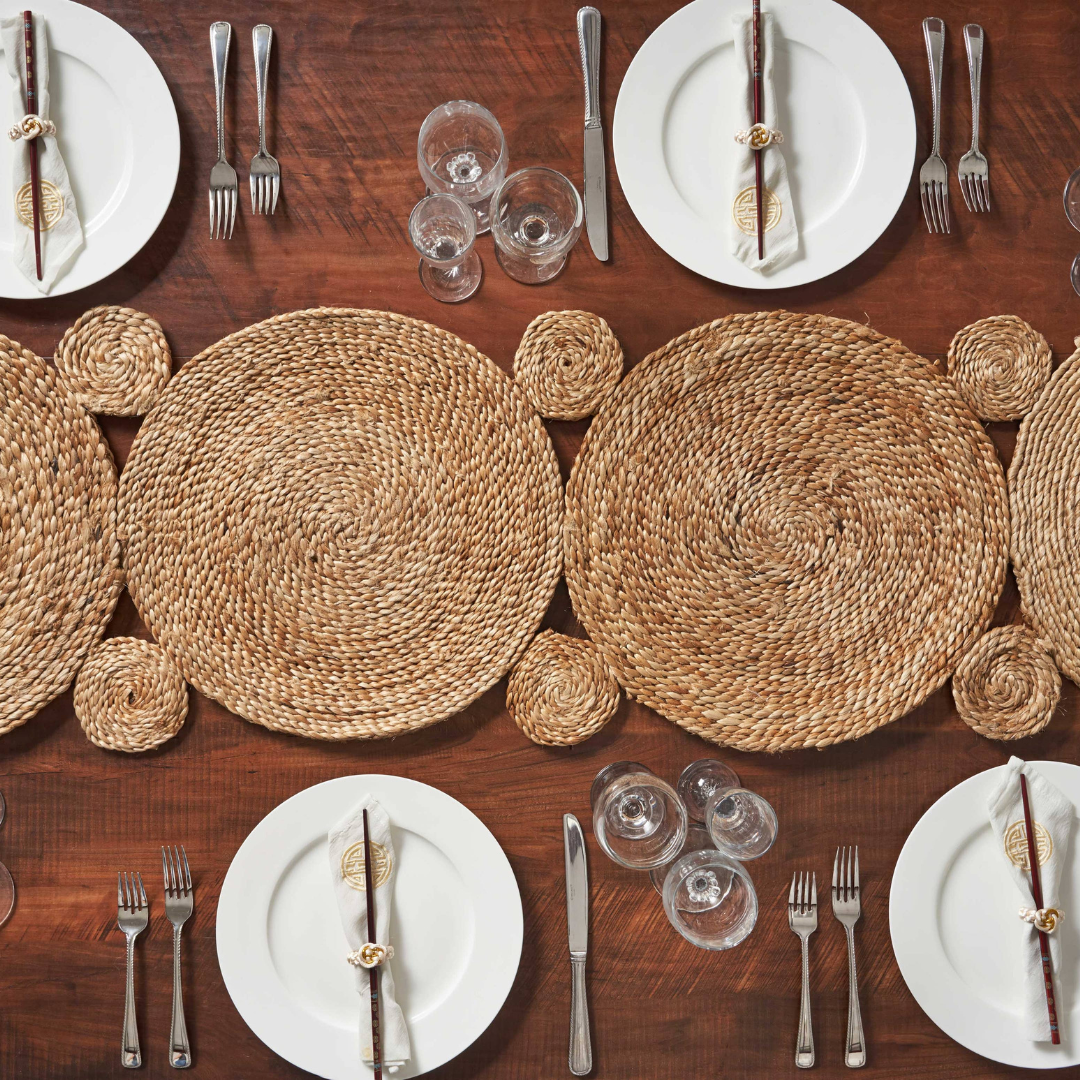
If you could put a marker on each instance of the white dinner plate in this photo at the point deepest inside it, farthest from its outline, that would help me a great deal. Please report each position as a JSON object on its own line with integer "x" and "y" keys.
{"x": 456, "y": 928}
{"x": 956, "y": 933}
{"x": 843, "y": 107}
{"x": 117, "y": 128}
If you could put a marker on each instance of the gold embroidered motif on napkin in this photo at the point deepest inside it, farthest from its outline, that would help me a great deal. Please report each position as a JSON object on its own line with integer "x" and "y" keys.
{"x": 1016, "y": 845}
{"x": 744, "y": 210}
{"x": 352, "y": 866}
{"x": 52, "y": 205}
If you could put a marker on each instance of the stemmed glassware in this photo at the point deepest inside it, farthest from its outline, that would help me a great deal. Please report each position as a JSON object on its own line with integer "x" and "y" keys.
{"x": 443, "y": 229}
{"x": 740, "y": 822}
{"x": 710, "y": 899}
{"x": 638, "y": 819}
{"x": 7, "y": 885}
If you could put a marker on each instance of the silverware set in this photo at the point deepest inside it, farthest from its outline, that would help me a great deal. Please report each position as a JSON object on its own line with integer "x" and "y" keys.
{"x": 132, "y": 918}
{"x": 265, "y": 172}
{"x": 803, "y": 920}
{"x": 973, "y": 171}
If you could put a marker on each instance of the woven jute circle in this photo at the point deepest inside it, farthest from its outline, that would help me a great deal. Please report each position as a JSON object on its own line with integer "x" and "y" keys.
{"x": 115, "y": 360}
{"x": 1000, "y": 365}
{"x": 1044, "y": 497}
{"x": 568, "y": 362}
{"x": 1007, "y": 686}
{"x": 342, "y": 524}
{"x": 785, "y": 530}
{"x": 59, "y": 555}
{"x": 129, "y": 695}
{"x": 561, "y": 692}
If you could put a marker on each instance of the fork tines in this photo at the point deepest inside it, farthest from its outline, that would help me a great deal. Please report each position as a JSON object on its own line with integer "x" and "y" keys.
{"x": 174, "y": 864}
{"x": 976, "y": 191}
{"x": 802, "y": 898}
{"x": 845, "y": 874}
{"x": 130, "y": 894}
{"x": 222, "y": 211}
{"x": 935, "y": 203}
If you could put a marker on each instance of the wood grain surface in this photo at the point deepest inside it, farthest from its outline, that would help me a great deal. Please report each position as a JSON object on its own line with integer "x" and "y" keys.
{"x": 350, "y": 84}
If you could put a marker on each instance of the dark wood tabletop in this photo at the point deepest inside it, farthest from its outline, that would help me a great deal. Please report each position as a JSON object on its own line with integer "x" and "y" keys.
{"x": 350, "y": 84}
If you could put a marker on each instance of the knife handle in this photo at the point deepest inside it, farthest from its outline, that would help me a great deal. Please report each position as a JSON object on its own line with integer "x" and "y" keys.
{"x": 588, "y": 32}
{"x": 580, "y": 1040}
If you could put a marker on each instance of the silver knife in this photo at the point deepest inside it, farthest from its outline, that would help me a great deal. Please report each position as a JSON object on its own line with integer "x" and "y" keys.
{"x": 577, "y": 926}
{"x": 588, "y": 32}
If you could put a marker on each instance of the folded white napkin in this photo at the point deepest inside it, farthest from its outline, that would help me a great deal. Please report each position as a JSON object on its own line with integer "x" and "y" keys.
{"x": 1053, "y": 816}
{"x": 781, "y": 229}
{"x": 346, "y": 841}
{"x": 61, "y": 232}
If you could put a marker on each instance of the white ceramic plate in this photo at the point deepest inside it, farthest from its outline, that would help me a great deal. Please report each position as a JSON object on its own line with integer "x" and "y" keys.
{"x": 845, "y": 111}
{"x": 456, "y": 927}
{"x": 119, "y": 135}
{"x": 952, "y": 914}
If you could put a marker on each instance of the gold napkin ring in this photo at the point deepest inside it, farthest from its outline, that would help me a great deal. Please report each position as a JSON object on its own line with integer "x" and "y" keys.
{"x": 30, "y": 127}
{"x": 1044, "y": 919}
{"x": 759, "y": 136}
{"x": 370, "y": 955}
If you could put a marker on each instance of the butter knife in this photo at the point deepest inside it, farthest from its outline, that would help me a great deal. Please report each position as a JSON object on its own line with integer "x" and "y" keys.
{"x": 588, "y": 29}
{"x": 577, "y": 926}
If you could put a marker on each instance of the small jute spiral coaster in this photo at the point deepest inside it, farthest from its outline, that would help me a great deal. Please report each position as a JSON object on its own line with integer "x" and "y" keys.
{"x": 129, "y": 695}
{"x": 561, "y": 692}
{"x": 785, "y": 530}
{"x": 59, "y": 555}
{"x": 1000, "y": 365}
{"x": 1007, "y": 686}
{"x": 342, "y": 524}
{"x": 115, "y": 360}
{"x": 1044, "y": 497}
{"x": 568, "y": 362}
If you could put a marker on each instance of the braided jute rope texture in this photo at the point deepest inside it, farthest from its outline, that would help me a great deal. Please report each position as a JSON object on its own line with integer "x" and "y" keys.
{"x": 561, "y": 692}
{"x": 785, "y": 530}
{"x": 129, "y": 695}
{"x": 59, "y": 555}
{"x": 115, "y": 360}
{"x": 1007, "y": 686}
{"x": 342, "y": 524}
{"x": 1044, "y": 496}
{"x": 1000, "y": 365}
{"x": 568, "y": 362}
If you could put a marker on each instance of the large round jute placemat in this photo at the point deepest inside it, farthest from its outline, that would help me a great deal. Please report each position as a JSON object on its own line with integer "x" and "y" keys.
{"x": 1044, "y": 496}
{"x": 59, "y": 555}
{"x": 785, "y": 530}
{"x": 342, "y": 524}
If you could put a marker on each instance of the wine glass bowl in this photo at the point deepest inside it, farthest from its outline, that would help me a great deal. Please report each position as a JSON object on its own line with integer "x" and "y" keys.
{"x": 710, "y": 899}
{"x": 741, "y": 823}
{"x": 698, "y": 782}
{"x": 638, "y": 819}
{"x": 443, "y": 230}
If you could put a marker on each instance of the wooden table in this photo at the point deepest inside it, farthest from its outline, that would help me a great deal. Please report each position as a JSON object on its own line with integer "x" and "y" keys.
{"x": 350, "y": 84}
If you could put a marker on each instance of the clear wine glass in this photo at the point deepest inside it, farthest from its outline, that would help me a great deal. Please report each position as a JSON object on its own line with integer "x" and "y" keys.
{"x": 7, "y": 885}
{"x": 462, "y": 151}
{"x": 638, "y": 819}
{"x": 697, "y": 839}
{"x": 443, "y": 230}
{"x": 536, "y": 218}
{"x": 741, "y": 823}
{"x": 699, "y": 780}
{"x": 710, "y": 899}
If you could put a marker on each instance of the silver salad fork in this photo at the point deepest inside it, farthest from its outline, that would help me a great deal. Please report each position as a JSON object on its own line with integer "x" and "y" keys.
{"x": 934, "y": 176}
{"x": 847, "y": 907}
{"x": 802, "y": 918}
{"x": 223, "y": 186}
{"x": 132, "y": 915}
{"x": 265, "y": 172}
{"x": 179, "y": 899}
{"x": 974, "y": 172}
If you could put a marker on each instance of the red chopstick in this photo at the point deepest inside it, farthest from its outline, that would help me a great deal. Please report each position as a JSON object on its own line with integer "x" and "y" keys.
{"x": 758, "y": 179}
{"x": 373, "y": 973}
{"x": 1036, "y": 893}
{"x": 31, "y": 107}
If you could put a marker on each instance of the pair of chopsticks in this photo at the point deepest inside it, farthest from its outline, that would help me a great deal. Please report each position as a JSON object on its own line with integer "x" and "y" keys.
{"x": 31, "y": 108}
{"x": 373, "y": 973}
{"x": 758, "y": 169}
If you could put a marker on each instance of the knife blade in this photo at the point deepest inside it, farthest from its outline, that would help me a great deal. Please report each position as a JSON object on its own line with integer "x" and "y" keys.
{"x": 577, "y": 928}
{"x": 596, "y": 223}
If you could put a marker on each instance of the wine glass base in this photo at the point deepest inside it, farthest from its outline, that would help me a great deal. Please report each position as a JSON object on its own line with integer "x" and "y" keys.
{"x": 454, "y": 285}
{"x": 528, "y": 272}
{"x": 1074, "y": 275}
{"x": 7, "y": 894}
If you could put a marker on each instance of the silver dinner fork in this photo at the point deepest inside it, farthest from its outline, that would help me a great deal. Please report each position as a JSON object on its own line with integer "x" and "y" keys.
{"x": 847, "y": 907}
{"x": 802, "y": 918}
{"x": 132, "y": 915}
{"x": 265, "y": 172}
{"x": 934, "y": 176}
{"x": 223, "y": 186}
{"x": 974, "y": 173}
{"x": 179, "y": 899}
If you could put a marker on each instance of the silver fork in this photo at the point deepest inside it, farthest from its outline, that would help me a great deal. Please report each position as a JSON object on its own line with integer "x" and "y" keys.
{"x": 802, "y": 918}
{"x": 934, "y": 176}
{"x": 974, "y": 173}
{"x": 265, "y": 172}
{"x": 223, "y": 186}
{"x": 179, "y": 900}
{"x": 132, "y": 915}
{"x": 847, "y": 908}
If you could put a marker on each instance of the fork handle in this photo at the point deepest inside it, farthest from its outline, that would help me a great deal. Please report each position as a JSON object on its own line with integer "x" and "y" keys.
{"x": 261, "y": 37}
{"x": 855, "y": 1056}
{"x": 220, "y": 36}
{"x": 804, "y": 1050}
{"x": 179, "y": 1047}
{"x": 973, "y": 42}
{"x": 934, "y": 33}
{"x": 130, "y": 1054}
